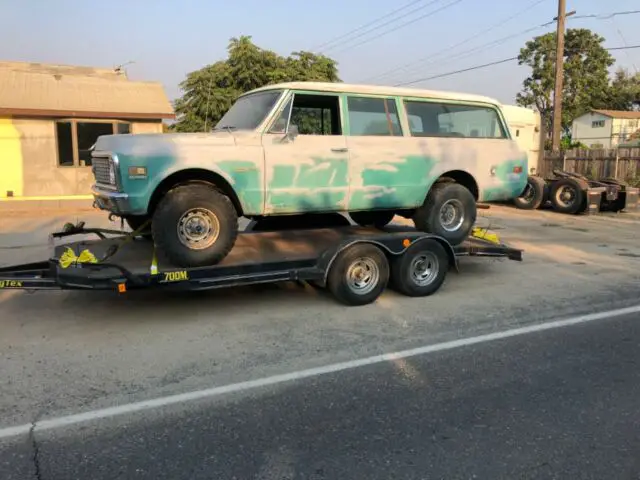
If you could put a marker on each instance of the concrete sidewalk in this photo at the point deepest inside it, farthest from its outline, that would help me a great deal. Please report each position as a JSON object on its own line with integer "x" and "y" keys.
{"x": 39, "y": 205}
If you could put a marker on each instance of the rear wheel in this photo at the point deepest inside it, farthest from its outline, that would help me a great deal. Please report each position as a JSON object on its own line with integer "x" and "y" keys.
{"x": 377, "y": 219}
{"x": 421, "y": 270}
{"x": 358, "y": 275}
{"x": 567, "y": 196}
{"x": 448, "y": 211}
{"x": 195, "y": 225}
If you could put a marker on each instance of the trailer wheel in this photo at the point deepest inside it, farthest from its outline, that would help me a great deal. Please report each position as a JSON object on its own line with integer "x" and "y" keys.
{"x": 421, "y": 269}
{"x": 195, "y": 225}
{"x": 358, "y": 275}
{"x": 449, "y": 211}
{"x": 377, "y": 219}
{"x": 533, "y": 195}
{"x": 567, "y": 196}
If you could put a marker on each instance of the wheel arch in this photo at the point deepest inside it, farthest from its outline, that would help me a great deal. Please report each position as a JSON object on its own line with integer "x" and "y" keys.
{"x": 463, "y": 178}
{"x": 195, "y": 175}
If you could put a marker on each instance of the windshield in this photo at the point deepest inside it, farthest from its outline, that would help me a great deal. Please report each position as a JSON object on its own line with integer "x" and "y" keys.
{"x": 249, "y": 111}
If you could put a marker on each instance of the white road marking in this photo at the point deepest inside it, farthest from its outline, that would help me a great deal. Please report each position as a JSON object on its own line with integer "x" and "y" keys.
{"x": 128, "y": 408}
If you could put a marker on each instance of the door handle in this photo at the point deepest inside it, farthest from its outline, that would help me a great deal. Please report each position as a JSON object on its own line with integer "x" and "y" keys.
{"x": 340, "y": 150}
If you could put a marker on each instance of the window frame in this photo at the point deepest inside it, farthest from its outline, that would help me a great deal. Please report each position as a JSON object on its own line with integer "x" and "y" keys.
{"x": 506, "y": 133}
{"x": 393, "y": 98}
{"x": 598, "y": 123}
{"x": 74, "y": 136}
{"x": 289, "y": 98}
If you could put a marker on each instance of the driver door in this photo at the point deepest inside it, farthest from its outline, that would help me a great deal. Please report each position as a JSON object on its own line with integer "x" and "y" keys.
{"x": 306, "y": 156}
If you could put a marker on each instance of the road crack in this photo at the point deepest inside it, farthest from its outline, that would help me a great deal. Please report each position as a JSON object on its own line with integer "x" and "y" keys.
{"x": 36, "y": 451}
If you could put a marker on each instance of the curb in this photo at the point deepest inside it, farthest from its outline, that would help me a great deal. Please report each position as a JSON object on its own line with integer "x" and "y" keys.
{"x": 9, "y": 206}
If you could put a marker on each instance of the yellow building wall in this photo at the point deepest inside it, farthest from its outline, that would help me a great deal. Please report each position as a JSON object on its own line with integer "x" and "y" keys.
{"x": 11, "y": 174}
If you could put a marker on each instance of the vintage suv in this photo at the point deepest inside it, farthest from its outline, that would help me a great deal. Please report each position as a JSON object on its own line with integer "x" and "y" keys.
{"x": 305, "y": 147}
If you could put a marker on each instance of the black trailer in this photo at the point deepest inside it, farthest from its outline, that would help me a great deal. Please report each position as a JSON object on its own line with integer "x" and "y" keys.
{"x": 572, "y": 193}
{"x": 354, "y": 263}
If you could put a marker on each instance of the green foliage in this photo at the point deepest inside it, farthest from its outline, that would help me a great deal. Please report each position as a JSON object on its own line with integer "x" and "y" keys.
{"x": 586, "y": 76}
{"x": 624, "y": 91}
{"x": 210, "y": 91}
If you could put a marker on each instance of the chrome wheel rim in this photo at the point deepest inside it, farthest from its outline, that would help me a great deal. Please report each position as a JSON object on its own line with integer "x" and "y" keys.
{"x": 363, "y": 275}
{"x": 198, "y": 228}
{"x": 566, "y": 196}
{"x": 424, "y": 268}
{"x": 451, "y": 215}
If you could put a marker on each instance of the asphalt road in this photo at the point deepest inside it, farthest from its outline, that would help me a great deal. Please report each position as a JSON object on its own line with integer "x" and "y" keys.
{"x": 561, "y": 403}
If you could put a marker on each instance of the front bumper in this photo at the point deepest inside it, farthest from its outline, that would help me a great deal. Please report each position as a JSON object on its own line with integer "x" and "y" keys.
{"x": 114, "y": 202}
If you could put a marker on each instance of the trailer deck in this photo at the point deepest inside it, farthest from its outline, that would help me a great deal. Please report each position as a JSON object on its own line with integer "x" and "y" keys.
{"x": 122, "y": 262}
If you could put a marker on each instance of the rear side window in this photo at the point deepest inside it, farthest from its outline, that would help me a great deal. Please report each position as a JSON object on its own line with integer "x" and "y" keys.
{"x": 431, "y": 119}
{"x": 373, "y": 117}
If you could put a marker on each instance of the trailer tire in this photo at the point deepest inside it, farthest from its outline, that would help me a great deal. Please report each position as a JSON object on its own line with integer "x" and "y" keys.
{"x": 195, "y": 225}
{"x": 533, "y": 195}
{"x": 428, "y": 217}
{"x": 136, "y": 221}
{"x": 358, "y": 275}
{"x": 420, "y": 271}
{"x": 571, "y": 188}
{"x": 372, "y": 218}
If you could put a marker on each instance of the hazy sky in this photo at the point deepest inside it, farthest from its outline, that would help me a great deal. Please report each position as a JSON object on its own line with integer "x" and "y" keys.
{"x": 168, "y": 38}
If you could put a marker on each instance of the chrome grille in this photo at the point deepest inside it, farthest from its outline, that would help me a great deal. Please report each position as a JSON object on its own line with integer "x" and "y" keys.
{"x": 101, "y": 170}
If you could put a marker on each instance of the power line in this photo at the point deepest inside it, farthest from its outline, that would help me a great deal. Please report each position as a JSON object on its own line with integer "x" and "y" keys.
{"x": 466, "y": 53}
{"x": 466, "y": 40}
{"x": 402, "y": 25}
{"x": 485, "y": 65}
{"x": 373, "y": 22}
{"x": 411, "y": 12}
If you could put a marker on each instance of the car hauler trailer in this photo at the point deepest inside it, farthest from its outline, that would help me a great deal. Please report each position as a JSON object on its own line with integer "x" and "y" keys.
{"x": 354, "y": 263}
{"x": 566, "y": 192}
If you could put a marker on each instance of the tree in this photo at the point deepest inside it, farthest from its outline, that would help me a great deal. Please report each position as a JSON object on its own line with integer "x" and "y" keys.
{"x": 586, "y": 76}
{"x": 624, "y": 91}
{"x": 210, "y": 91}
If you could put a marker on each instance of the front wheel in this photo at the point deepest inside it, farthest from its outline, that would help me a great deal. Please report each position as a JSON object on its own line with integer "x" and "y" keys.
{"x": 195, "y": 225}
{"x": 358, "y": 275}
{"x": 449, "y": 211}
{"x": 533, "y": 195}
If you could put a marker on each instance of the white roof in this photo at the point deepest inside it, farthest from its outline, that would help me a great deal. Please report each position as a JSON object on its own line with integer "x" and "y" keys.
{"x": 339, "y": 87}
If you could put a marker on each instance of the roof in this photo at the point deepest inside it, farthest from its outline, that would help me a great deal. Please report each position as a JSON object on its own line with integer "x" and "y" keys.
{"x": 627, "y": 115}
{"x": 40, "y": 90}
{"x": 339, "y": 87}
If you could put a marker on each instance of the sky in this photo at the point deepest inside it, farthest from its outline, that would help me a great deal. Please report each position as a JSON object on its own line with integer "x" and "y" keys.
{"x": 166, "y": 39}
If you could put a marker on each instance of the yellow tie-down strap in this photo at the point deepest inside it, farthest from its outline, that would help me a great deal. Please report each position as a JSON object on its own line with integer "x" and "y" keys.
{"x": 69, "y": 258}
{"x": 484, "y": 234}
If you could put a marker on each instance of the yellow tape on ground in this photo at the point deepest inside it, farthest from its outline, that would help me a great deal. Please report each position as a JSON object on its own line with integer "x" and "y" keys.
{"x": 69, "y": 258}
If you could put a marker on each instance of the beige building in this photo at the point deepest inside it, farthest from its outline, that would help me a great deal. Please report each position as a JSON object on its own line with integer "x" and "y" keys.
{"x": 605, "y": 128}
{"x": 51, "y": 115}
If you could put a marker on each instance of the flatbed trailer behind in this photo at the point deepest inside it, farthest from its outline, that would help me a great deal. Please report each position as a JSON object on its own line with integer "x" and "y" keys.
{"x": 354, "y": 263}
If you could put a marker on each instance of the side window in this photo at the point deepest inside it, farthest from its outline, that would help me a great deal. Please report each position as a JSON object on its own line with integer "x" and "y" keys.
{"x": 312, "y": 114}
{"x": 445, "y": 120}
{"x": 373, "y": 116}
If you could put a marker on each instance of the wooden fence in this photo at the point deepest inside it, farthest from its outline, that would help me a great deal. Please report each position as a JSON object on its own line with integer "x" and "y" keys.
{"x": 621, "y": 163}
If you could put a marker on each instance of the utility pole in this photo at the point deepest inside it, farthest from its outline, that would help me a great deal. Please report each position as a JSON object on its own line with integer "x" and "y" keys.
{"x": 559, "y": 85}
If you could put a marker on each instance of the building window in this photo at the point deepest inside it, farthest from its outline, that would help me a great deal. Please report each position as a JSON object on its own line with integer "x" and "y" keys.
{"x": 373, "y": 116}
{"x": 75, "y": 138}
{"x": 597, "y": 124}
{"x": 430, "y": 119}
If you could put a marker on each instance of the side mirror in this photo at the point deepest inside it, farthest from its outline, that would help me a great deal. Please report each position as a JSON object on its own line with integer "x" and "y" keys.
{"x": 291, "y": 134}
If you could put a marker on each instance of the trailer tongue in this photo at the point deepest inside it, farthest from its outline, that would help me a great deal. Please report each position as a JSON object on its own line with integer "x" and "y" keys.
{"x": 354, "y": 263}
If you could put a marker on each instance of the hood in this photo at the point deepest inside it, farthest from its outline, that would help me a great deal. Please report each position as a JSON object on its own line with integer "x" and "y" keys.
{"x": 160, "y": 143}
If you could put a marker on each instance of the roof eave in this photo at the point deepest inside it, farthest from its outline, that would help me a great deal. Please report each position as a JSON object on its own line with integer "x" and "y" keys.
{"x": 40, "y": 113}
